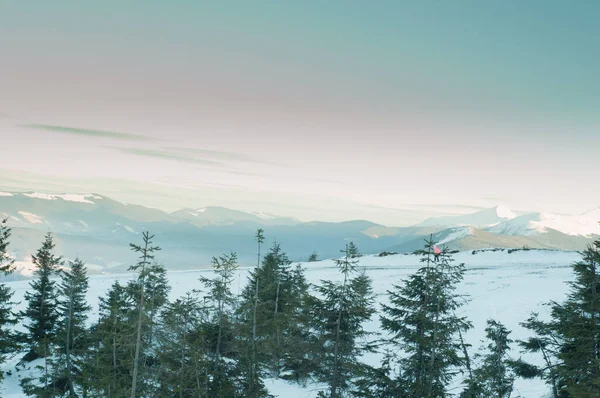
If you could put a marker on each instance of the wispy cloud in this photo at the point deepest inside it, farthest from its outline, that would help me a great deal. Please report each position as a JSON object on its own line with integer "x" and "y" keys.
{"x": 223, "y": 155}
{"x": 87, "y": 132}
{"x": 166, "y": 155}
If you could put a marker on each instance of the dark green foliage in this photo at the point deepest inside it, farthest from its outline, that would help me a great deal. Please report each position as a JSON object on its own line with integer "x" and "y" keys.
{"x": 8, "y": 338}
{"x": 353, "y": 251}
{"x": 110, "y": 362}
{"x": 337, "y": 319}
{"x": 570, "y": 341}
{"x": 495, "y": 376}
{"x": 423, "y": 324}
{"x": 182, "y": 350}
{"x": 73, "y": 339}
{"x": 314, "y": 256}
{"x": 42, "y": 301}
{"x": 220, "y": 329}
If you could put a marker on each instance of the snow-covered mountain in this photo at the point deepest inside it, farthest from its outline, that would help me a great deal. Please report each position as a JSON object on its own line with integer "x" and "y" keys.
{"x": 222, "y": 216}
{"x": 483, "y": 218}
{"x": 587, "y": 224}
{"x": 99, "y": 230}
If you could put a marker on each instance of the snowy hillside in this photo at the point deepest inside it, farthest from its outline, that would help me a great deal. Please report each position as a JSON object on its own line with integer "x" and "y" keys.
{"x": 502, "y": 285}
{"x": 586, "y": 224}
{"x": 483, "y": 218}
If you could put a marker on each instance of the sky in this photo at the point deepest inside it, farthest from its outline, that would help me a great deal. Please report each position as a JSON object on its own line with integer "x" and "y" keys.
{"x": 391, "y": 111}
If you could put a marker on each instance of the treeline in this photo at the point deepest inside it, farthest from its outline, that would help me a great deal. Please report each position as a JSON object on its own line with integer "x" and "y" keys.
{"x": 211, "y": 342}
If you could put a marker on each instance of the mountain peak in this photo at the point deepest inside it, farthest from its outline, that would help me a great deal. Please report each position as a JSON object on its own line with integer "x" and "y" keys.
{"x": 504, "y": 212}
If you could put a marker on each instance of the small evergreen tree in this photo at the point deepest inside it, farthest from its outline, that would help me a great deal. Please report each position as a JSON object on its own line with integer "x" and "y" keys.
{"x": 182, "y": 350}
{"x": 219, "y": 330}
{"x": 73, "y": 339}
{"x": 146, "y": 253}
{"x": 109, "y": 366}
{"x": 314, "y": 256}
{"x": 570, "y": 341}
{"x": 353, "y": 251}
{"x": 495, "y": 376}
{"x": 8, "y": 339}
{"x": 424, "y": 328}
{"x": 338, "y": 316}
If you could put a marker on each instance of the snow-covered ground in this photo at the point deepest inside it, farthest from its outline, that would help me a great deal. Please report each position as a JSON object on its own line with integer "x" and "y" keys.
{"x": 506, "y": 287}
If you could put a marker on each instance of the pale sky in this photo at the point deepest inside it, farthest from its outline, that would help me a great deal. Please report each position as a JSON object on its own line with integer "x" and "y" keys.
{"x": 390, "y": 111}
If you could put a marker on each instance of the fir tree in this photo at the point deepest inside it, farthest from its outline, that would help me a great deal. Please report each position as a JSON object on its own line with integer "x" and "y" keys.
{"x": 570, "y": 341}
{"x": 42, "y": 300}
{"x": 421, "y": 319}
{"x": 182, "y": 350}
{"x": 314, "y": 256}
{"x": 146, "y": 253}
{"x": 73, "y": 336}
{"x": 495, "y": 376}
{"x": 219, "y": 329}
{"x": 353, "y": 251}
{"x": 109, "y": 366}
{"x": 338, "y": 316}
{"x": 7, "y": 318}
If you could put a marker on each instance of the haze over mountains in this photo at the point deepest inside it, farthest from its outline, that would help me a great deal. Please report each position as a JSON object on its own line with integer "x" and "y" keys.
{"x": 99, "y": 230}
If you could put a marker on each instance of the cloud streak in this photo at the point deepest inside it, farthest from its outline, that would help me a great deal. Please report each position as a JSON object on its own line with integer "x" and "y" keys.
{"x": 87, "y": 132}
{"x": 165, "y": 155}
{"x": 223, "y": 155}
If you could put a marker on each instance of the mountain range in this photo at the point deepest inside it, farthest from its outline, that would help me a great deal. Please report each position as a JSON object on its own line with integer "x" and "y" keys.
{"x": 99, "y": 230}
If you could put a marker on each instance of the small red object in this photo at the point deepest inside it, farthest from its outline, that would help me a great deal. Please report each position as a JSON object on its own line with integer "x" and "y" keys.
{"x": 436, "y": 250}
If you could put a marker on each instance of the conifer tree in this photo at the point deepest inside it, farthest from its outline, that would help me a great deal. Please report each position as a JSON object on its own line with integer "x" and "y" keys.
{"x": 8, "y": 319}
{"x": 421, "y": 319}
{"x": 353, "y": 251}
{"x": 314, "y": 256}
{"x": 109, "y": 366}
{"x": 570, "y": 341}
{"x": 181, "y": 350}
{"x": 73, "y": 338}
{"x": 495, "y": 376}
{"x": 338, "y": 316}
{"x": 219, "y": 328}
{"x": 146, "y": 253}
{"x": 42, "y": 300}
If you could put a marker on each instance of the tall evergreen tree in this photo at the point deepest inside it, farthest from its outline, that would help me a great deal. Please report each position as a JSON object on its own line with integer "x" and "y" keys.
{"x": 422, "y": 321}
{"x": 495, "y": 376}
{"x": 570, "y": 341}
{"x": 182, "y": 350}
{"x": 7, "y": 318}
{"x": 146, "y": 253}
{"x": 338, "y": 317}
{"x": 219, "y": 328}
{"x": 73, "y": 338}
{"x": 109, "y": 366}
{"x": 42, "y": 301}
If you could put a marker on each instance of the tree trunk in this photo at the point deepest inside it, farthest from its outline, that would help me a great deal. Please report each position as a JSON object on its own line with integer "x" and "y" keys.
{"x": 68, "y": 350}
{"x": 138, "y": 341}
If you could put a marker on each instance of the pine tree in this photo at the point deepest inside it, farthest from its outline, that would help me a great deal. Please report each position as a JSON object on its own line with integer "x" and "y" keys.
{"x": 182, "y": 350}
{"x": 219, "y": 329}
{"x": 42, "y": 301}
{"x": 73, "y": 338}
{"x": 109, "y": 366}
{"x": 314, "y": 256}
{"x": 495, "y": 376}
{"x": 338, "y": 316}
{"x": 146, "y": 253}
{"x": 353, "y": 251}
{"x": 570, "y": 341}
{"x": 421, "y": 319}
{"x": 7, "y": 318}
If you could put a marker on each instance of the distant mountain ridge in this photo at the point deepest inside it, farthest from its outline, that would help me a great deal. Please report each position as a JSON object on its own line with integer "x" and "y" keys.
{"x": 99, "y": 230}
